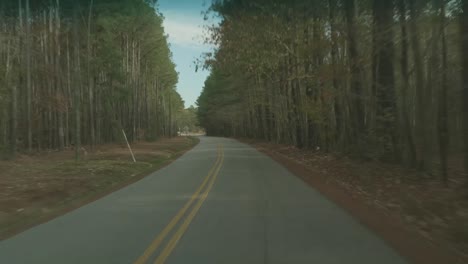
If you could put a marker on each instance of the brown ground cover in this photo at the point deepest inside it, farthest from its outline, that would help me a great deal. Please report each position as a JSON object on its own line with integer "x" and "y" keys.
{"x": 414, "y": 212}
{"x": 36, "y": 188}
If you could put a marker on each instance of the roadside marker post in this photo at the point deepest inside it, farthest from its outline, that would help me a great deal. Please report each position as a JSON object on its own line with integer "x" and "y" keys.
{"x": 128, "y": 145}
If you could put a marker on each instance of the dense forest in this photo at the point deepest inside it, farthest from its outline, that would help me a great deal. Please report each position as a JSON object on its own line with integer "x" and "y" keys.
{"x": 187, "y": 120}
{"x": 78, "y": 72}
{"x": 385, "y": 80}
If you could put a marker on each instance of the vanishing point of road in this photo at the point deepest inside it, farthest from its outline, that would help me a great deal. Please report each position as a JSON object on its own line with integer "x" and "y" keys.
{"x": 222, "y": 202}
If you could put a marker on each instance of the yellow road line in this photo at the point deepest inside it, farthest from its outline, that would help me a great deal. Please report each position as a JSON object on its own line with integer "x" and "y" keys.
{"x": 180, "y": 232}
{"x": 159, "y": 239}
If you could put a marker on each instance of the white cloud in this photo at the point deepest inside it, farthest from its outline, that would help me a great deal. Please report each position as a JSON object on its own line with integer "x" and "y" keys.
{"x": 183, "y": 30}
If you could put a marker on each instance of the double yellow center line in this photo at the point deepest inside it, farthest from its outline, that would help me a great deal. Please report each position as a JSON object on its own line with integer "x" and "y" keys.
{"x": 201, "y": 193}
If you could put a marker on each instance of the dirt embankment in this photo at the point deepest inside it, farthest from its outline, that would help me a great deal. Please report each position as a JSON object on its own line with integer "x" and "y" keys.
{"x": 417, "y": 215}
{"x": 37, "y": 188}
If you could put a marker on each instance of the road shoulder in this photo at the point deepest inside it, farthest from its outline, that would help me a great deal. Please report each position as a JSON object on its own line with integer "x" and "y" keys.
{"x": 47, "y": 186}
{"x": 407, "y": 242}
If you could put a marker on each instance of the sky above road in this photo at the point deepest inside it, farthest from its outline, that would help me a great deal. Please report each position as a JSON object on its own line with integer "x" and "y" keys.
{"x": 184, "y": 24}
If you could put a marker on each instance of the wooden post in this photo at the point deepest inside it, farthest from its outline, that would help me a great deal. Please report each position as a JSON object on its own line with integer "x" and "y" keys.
{"x": 128, "y": 145}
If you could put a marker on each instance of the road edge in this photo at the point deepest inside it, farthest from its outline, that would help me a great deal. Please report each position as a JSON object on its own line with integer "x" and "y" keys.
{"x": 409, "y": 244}
{"x": 92, "y": 197}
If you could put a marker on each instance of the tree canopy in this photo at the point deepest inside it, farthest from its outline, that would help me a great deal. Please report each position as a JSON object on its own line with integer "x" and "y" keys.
{"x": 367, "y": 78}
{"x": 80, "y": 71}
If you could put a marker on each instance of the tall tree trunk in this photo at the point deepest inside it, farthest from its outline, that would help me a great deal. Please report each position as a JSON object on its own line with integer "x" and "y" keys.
{"x": 407, "y": 134}
{"x": 13, "y": 106}
{"x": 69, "y": 95}
{"x": 28, "y": 79}
{"x": 13, "y": 120}
{"x": 48, "y": 81}
{"x": 385, "y": 82}
{"x": 464, "y": 74}
{"x": 58, "y": 80}
{"x": 421, "y": 106}
{"x": 442, "y": 117}
{"x": 90, "y": 79}
{"x": 5, "y": 126}
{"x": 14, "y": 89}
{"x": 76, "y": 82}
{"x": 334, "y": 53}
{"x": 357, "y": 111}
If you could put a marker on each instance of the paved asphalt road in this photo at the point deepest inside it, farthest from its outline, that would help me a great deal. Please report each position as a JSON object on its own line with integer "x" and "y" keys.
{"x": 248, "y": 209}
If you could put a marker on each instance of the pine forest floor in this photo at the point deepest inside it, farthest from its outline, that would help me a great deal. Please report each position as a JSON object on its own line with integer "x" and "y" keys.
{"x": 36, "y": 188}
{"x": 415, "y": 213}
